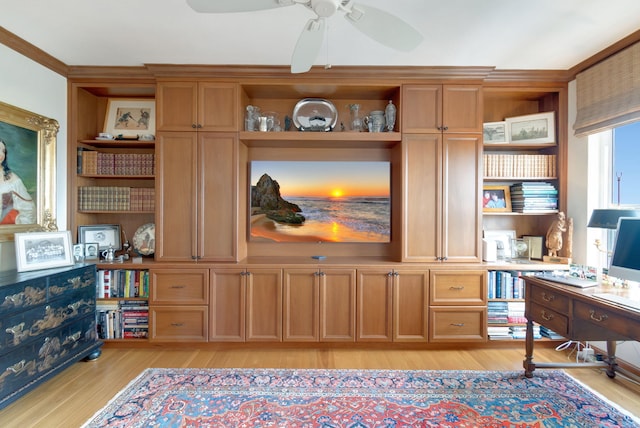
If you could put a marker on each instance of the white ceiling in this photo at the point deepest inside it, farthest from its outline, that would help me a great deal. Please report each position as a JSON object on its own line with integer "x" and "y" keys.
{"x": 506, "y": 34}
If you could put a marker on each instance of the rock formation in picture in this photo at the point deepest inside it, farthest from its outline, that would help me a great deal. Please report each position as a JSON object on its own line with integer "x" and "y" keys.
{"x": 266, "y": 199}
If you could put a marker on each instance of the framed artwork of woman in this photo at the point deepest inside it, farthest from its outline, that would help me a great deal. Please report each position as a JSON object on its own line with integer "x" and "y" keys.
{"x": 27, "y": 171}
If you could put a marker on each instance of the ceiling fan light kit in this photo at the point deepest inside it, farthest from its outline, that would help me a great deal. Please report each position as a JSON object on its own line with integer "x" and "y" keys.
{"x": 375, "y": 23}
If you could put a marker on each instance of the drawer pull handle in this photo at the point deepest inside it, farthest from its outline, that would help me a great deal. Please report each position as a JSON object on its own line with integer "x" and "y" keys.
{"x": 458, "y": 288}
{"x": 176, "y": 324}
{"x": 545, "y": 316}
{"x": 548, "y": 297}
{"x": 177, "y": 286}
{"x": 457, "y": 324}
{"x": 592, "y": 314}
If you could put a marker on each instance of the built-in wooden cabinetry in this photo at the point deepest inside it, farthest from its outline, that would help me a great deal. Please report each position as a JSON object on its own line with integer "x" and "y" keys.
{"x": 441, "y": 155}
{"x": 210, "y": 282}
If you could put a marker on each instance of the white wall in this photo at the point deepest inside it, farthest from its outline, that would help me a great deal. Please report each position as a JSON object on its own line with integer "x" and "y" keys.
{"x": 30, "y": 86}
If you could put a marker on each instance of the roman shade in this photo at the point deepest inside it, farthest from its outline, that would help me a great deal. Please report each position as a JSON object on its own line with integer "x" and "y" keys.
{"x": 608, "y": 94}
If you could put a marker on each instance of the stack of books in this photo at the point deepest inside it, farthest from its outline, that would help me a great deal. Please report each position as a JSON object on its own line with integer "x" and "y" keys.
{"x": 545, "y": 332}
{"x": 534, "y": 197}
{"x": 497, "y": 312}
{"x": 114, "y": 198}
{"x": 122, "y": 319}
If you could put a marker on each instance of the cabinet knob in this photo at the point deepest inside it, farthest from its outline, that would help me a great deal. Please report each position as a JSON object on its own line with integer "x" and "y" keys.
{"x": 445, "y": 128}
{"x": 199, "y": 126}
{"x": 458, "y": 288}
{"x": 194, "y": 126}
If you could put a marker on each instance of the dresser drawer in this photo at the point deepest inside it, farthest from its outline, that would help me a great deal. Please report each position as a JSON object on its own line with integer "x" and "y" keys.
{"x": 79, "y": 282}
{"x": 179, "y": 323}
{"x": 453, "y": 324}
{"x": 550, "y": 299}
{"x": 549, "y": 318}
{"x": 179, "y": 286}
{"x": 458, "y": 288}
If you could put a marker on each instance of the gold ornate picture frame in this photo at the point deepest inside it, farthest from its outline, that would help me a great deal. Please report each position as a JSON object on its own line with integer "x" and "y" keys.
{"x": 31, "y": 155}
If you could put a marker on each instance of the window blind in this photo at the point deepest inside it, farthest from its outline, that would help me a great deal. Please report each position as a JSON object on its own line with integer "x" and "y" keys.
{"x": 608, "y": 94}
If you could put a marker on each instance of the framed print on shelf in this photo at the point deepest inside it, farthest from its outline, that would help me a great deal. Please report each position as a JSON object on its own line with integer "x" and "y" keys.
{"x": 536, "y": 128}
{"x": 105, "y": 235}
{"x": 536, "y": 246}
{"x": 503, "y": 240}
{"x": 494, "y": 133}
{"x": 43, "y": 250}
{"x": 130, "y": 117}
{"x": 28, "y": 141}
{"x": 496, "y": 198}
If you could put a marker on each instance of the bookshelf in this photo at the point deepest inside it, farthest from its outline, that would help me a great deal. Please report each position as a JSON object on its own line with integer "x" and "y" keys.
{"x": 517, "y": 165}
{"x": 122, "y": 304}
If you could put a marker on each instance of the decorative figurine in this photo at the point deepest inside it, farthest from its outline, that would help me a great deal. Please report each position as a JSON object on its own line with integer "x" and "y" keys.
{"x": 554, "y": 239}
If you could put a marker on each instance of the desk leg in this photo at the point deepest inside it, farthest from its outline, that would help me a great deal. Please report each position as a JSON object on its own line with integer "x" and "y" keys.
{"x": 611, "y": 359}
{"x": 529, "y": 365}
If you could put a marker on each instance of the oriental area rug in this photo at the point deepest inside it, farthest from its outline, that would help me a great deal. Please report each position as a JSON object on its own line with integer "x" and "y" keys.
{"x": 357, "y": 399}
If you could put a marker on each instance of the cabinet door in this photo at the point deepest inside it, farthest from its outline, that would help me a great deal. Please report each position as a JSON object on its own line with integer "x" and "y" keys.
{"x": 461, "y": 198}
{"x": 217, "y": 204}
{"x": 217, "y": 106}
{"x": 421, "y": 108}
{"x": 264, "y": 305}
{"x": 410, "y": 306}
{"x": 422, "y": 185}
{"x": 176, "y": 186}
{"x": 227, "y": 307}
{"x": 462, "y": 108}
{"x": 374, "y": 307}
{"x": 301, "y": 306}
{"x": 337, "y": 305}
{"x": 176, "y": 106}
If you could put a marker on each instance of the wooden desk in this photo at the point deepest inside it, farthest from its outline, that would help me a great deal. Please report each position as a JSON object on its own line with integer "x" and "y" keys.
{"x": 575, "y": 314}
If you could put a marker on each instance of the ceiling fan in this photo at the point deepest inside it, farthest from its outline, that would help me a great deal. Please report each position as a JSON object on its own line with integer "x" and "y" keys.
{"x": 381, "y": 26}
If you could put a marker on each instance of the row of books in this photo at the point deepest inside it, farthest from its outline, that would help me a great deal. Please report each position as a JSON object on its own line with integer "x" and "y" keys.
{"x": 115, "y": 198}
{"x": 512, "y": 332}
{"x": 119, "y": 283}
{"x": 534, "y": 197}
{"x": 123, "y": 319}
{"x": 503, "y": 165}
{"x": 502, "y": 312}
{"x": 506, "y": 284}
{"x": 91, "y": 162}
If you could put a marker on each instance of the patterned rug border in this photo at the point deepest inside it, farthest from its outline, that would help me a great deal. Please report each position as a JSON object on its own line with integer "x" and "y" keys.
{"x": 504, "y": 373}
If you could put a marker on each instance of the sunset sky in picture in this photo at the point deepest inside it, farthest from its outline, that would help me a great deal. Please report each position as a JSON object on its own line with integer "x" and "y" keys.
{"x": 326, "y": 179}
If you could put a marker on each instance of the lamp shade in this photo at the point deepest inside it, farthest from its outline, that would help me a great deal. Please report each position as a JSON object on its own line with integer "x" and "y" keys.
{"x": 608, "y": 218}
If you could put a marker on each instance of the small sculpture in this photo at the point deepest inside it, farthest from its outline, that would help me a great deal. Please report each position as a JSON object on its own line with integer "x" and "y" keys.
{"x": 555, "y": 234}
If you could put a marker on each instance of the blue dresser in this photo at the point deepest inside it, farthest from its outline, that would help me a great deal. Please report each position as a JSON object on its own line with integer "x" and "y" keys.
{"x": 47, "y": 322}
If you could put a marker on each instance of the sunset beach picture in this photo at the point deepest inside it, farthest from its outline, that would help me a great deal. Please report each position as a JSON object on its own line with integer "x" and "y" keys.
{"x": 320, "y": 201}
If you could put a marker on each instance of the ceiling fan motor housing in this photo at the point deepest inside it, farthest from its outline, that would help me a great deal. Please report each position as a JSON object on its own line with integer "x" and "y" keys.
{"x": 325, "y": 8}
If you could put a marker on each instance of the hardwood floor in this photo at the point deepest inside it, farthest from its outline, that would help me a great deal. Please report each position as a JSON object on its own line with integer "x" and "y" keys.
{"x": 73, "y": 396}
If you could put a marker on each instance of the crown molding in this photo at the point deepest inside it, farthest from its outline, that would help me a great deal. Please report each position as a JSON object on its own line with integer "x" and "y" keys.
{"x": 32, "y": 52}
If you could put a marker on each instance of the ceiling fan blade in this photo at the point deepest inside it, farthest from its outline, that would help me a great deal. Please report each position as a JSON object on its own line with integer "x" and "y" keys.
{"x": 228, "y": 6}
{"x": 384, "y": 28}
{"x": 308, "y": 46}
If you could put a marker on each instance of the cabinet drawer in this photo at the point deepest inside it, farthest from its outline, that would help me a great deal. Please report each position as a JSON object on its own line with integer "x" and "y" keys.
{"x": 452, "y": 324}
{"x": 550, "y": 299}
{"x": 458, "y": 288}
{"x": 549, "y": 318}
{"x": 179, "y": 323}
{"x": 180, "y": 286}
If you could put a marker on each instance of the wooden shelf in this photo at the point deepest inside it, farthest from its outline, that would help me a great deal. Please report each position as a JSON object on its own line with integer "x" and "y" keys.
{"x": 114, "y": 212}
{"x": 120, "y": 144}
{"x": 510, "y": 214}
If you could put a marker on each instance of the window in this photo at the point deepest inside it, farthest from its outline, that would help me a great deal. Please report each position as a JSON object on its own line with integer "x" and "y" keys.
{"x": 626, "y": 159}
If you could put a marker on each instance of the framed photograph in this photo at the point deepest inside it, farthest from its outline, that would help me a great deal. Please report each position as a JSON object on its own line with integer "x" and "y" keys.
{"x": 532, "y": 129}
{"x": 91, "y": 251}
{"x": 495, "y": 133}
{"x": 105, "y": 235}
{"x": 496, "y": 198}
{"x": 130, "y": 117}
{"x": 519, "y": 249}
{"x": 536, "y": 246}
{"x": 503, "y": 240}
{"x": 27, "y": 153}
{"x": 43, "y": 250}
{"x": 78, "y": 253}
